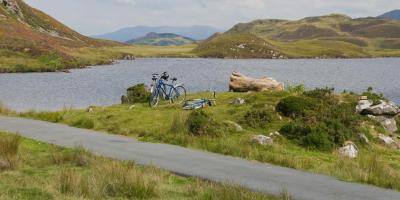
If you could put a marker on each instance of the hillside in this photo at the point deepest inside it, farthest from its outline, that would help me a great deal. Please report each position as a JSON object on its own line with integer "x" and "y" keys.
{"x": 162, "y": 39}
{"x": 125, "y": 34}
{"x": 394, "y": 14}
{"x": 30, "y": 40}
{"x": 331, "y": 36}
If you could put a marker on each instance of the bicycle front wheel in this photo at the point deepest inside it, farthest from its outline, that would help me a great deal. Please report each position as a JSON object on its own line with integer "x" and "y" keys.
{"x": 178, "y": 95}
{"x": 154, "y": 98}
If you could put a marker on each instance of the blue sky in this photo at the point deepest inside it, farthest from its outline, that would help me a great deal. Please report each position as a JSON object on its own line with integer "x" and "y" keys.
{"x": 99, "y": 16}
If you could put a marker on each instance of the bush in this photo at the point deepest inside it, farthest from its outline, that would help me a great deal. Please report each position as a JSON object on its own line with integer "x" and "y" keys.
{"x": 296, "y": 89}
{"x": 320, "y": 93}
{"x": 136, "y": 94}
{"x": 9, "y": 147}
{"x": 296, "y": 106}
{"x": 83, "y": 122}
{"x": 257, "y": 118}
{"x": 201, "y": 123}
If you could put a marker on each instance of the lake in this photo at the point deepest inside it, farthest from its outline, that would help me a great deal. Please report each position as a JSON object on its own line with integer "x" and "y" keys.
{"x": 104, "y": 85}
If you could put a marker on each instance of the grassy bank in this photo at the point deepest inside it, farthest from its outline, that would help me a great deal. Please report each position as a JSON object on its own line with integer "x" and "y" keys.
{"x": 14, "y": 62}
{"x": 39, "y": 171}
{"x": 322, "y": 128}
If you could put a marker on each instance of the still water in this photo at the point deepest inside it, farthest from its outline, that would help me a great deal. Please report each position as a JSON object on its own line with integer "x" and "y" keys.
{"x": 104, "y": 85}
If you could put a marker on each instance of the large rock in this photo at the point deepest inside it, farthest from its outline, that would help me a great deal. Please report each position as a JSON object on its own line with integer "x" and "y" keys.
{"x": 363, "y": 104}
{"x": 241, "y": 83}
{"x": 384, "y": 108}
{"x": 349, "y": 150}
{"x": 262, "y": 139}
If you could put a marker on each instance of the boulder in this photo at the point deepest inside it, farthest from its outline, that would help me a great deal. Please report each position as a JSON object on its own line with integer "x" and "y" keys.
{"x": 241, "y": 83}
{"x": 349, "y": 150}
{"x": 384, "y": 108}
{"x": 363, "y": 104}
{"x": 389, "y": 141}
{"x": 262, "y": 139}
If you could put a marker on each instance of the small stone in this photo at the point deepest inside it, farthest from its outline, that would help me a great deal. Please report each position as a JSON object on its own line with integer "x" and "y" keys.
{"x": 238, "y": 101}
{"x": 90, "y": 109}
{"x": 389, "y": 141}
{"x": 364, "y": 98}
{"x": 132, "y": 107}
{"x": 262, "y": 139}
{"x": 349, "y": 150}
{"x": 238, "y": 128}
{"x": 363, "y": 138}
{"x": 3, "y": 164}
{"x": 276, "y": 133}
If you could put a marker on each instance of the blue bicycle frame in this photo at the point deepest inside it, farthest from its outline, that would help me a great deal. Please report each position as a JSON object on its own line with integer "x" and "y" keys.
{"x": 162, "y": 86}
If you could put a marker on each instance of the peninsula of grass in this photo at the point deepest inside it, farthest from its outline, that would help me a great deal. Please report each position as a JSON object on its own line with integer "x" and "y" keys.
{"x": 312, "y": 125}
{"x": 32, "y": 170}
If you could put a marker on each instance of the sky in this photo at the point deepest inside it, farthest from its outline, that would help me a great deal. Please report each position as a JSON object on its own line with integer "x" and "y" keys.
{"x": 92, "y": 17}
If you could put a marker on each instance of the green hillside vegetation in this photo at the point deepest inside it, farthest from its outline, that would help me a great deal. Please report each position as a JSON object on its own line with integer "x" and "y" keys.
{"x": 31, "y": 41}
{"x": 331, "y": 36}
{"x": 312, "y": 125}
{"x": 40, "y": 171}
{"x": 162, "y": 39}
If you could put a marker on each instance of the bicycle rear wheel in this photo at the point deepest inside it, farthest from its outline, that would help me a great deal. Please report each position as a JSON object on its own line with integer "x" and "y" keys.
{"x": 154, "y": 98}
{"x": 178, "y": 95}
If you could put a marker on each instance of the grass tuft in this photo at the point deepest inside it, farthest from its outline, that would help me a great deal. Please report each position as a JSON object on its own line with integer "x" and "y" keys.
{"x": 9, "y": 147}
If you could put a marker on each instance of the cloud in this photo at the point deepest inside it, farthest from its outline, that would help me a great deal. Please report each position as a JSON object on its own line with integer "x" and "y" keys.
{"x": 98, "y": 16}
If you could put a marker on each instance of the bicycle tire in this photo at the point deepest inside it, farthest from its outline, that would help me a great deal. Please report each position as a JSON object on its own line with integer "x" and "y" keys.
{"x": 154, "y": 98}
{"x": 179, "y": 95}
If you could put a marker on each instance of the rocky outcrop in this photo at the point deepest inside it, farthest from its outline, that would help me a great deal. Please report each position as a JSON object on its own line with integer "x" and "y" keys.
{"x": 389, "y": 141}
{"x": 384, "y": 113}
{"x": 13, "y": 7}
{"x": 241, "y": 83}
{"x": 262, "y": 140}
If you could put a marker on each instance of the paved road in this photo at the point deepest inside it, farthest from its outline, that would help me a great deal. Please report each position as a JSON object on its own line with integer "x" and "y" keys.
{"x": 256, "y": 176}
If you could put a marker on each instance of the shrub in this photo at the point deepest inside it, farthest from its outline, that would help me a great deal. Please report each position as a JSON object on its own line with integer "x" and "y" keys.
{"x": 296, "y": 89}
{"x": 294, "y": 106}
{"x": 201, "y": 123}
{"x": 83, "y": 122}
{"x": 136, "y": 94}
{"x": 320, "y": 93}
{"x": 9, "y": 147}
{"x": 257, "y": 118}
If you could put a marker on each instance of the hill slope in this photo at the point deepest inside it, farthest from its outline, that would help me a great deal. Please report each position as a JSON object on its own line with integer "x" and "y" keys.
{"x": 331, "y": 36}
{"x": 125, "y": 34}
{"x": 30, "y": 40}
{"x": 394, "y": 14}
{"x": 162, "y": 39}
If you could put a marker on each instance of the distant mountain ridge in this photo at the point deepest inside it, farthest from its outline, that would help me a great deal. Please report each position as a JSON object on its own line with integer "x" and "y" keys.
{"x": 162, "y": 39}
{"x": 129, "y": 33}
{"x": 394, "y": 14}
{"x": 329, "y": 36}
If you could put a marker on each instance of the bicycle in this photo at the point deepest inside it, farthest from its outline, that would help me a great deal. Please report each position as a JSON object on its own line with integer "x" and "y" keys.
{"x": 175, "y": 93}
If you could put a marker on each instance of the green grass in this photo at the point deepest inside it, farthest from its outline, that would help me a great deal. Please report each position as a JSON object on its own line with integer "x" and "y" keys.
{"x": 169, "y": 124}
{"x": 47, "y": 172}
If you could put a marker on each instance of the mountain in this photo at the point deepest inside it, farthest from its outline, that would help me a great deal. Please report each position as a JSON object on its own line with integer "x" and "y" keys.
{"x": 125, "y": 34}
{"x": 162, "y": 39}
{"x": 330, "y": 36}
{"x": 30, "y": 38}
{"x": 394, "y": 14}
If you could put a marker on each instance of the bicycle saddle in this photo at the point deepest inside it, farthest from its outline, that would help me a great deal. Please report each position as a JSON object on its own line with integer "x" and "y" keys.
{"x": 174, "y": 79}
